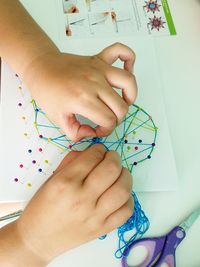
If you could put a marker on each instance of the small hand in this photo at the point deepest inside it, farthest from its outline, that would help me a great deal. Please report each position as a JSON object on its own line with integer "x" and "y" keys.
{"x": 65, "y": 85}
{"x": 88, "y": 196}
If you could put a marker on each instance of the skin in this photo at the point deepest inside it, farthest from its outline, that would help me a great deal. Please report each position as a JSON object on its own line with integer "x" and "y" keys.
{"x": 71, "y": 196}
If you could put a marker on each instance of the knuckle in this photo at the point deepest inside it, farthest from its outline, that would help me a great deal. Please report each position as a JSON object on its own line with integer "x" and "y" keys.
{"x": 113, "y": 167}
{"x": 123, "y": 111}
{"x": 128, "y": 212}
{"x": 110, "y": 120}
{"x": 118, "y": 44}
{"x": 124, "y": 193}
{"x": 99, "y": 151}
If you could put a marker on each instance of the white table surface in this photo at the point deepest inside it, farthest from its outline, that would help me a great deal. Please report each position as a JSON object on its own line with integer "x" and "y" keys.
{"x": 179, "y": 60}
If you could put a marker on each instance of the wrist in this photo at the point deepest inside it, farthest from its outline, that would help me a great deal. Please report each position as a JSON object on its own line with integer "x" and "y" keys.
{"x": 37, "y": 68}
{"x": 14, "y": 252}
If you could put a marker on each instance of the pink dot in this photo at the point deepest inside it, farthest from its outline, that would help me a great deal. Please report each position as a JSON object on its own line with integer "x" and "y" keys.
{"x": 70, "y": 146}
{"x": 136, "y": 147}
{"x": 40, "y": 149}
{"x": 21, "y": 165}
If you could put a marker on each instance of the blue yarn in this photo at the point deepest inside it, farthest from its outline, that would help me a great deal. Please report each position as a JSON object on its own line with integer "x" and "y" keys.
{"x": 138, "y": 223}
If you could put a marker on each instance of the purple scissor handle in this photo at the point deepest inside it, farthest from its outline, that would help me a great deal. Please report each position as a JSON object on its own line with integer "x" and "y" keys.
{"x": 160, "y": 249}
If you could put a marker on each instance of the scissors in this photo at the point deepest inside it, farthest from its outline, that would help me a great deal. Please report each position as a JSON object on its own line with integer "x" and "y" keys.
{"x": 161, "y": 250}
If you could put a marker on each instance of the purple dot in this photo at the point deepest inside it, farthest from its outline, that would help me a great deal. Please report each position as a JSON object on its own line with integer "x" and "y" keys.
{"x": 20, "y": 104}
{"x": 16, "y": 179}
{"x": 40, "y": 136}
{"x": 21, "y": 165}
{"x": 34, "y": 161}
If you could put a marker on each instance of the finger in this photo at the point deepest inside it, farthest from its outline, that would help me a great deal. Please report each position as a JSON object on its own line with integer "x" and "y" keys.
{"x": 113, "y": 166}
{"x": 94, "y": 110}
{"x": 115, "y": 103}
{"x": 67, "y": 159}
{"x": 74, "y": 129}
{"x": 120, "y": 216}
{"x": 117, "y": 195}
{"x": 118, "y": 51}
{"x": 124, "y": 80}
{"x": 81, "y": 166}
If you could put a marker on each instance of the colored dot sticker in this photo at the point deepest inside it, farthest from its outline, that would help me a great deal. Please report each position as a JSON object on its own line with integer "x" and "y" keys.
{"x": 125, "y": 141}
{"x": 49, "y": 139}
{"x": 34, "y": 161}
{"x": 29, "y": 184}
{"x": 25, "y": 134}
{"x": 21, "y": 166}
{"x": 135, "y": 163}
{"x": 16, "y": 180}
{"x": 136, "y": 147}
{"x": 46, "y": 161}
{"x": 140, "y": 141}
{"x": 153, "y": 144}
{"x": 40, "y": 170}
{"x": 19, "y": 104}
{"x": 149, "y": 156}
{"x": 128, "y": 147}
{"x": 30, "y": 151}
{"x": 40, "y": 136}
{"x": 70, "y": 146}
{"x": 134, "y": 132}
{"x": 40, "y": 149}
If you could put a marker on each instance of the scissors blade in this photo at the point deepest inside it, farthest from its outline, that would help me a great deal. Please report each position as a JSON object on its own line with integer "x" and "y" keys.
{"x": 188, "y": 222}
{"x": 11, "y": 215}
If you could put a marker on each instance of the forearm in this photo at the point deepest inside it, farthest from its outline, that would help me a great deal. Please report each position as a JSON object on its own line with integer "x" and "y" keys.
{"x": 21, "y": 39}
{"x": 13, "y": 252}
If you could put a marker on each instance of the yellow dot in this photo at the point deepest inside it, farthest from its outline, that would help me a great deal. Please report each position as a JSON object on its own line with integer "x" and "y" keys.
{"x": 23, "y": 118}
{"x": 25, "y": 134}
{"x": 20, "y": 88}
{"x": 34, "y": 123}
{"x": 29, "y": 184}
{"x": 49, "y": 139}
{"x": 46, "y": 161}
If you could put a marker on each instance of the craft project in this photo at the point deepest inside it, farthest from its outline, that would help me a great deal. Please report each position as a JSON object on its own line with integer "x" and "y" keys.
{"x": 134, "y": 139}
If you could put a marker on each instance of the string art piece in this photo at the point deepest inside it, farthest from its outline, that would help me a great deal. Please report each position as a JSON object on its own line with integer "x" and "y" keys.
{"x": 134, "y": 140}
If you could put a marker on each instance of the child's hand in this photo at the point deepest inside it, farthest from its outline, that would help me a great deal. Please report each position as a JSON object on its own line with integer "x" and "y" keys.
{"x": 87, "y": 197}
{"x": 64, "y": 85}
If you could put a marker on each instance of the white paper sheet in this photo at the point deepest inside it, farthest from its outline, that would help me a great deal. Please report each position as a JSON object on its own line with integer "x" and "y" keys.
{"x": 19, "y": 135}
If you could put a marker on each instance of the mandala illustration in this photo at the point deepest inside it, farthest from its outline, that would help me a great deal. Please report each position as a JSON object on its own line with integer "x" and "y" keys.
{"x": 152, "y": 6}
{"x": 156, "y": 23}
